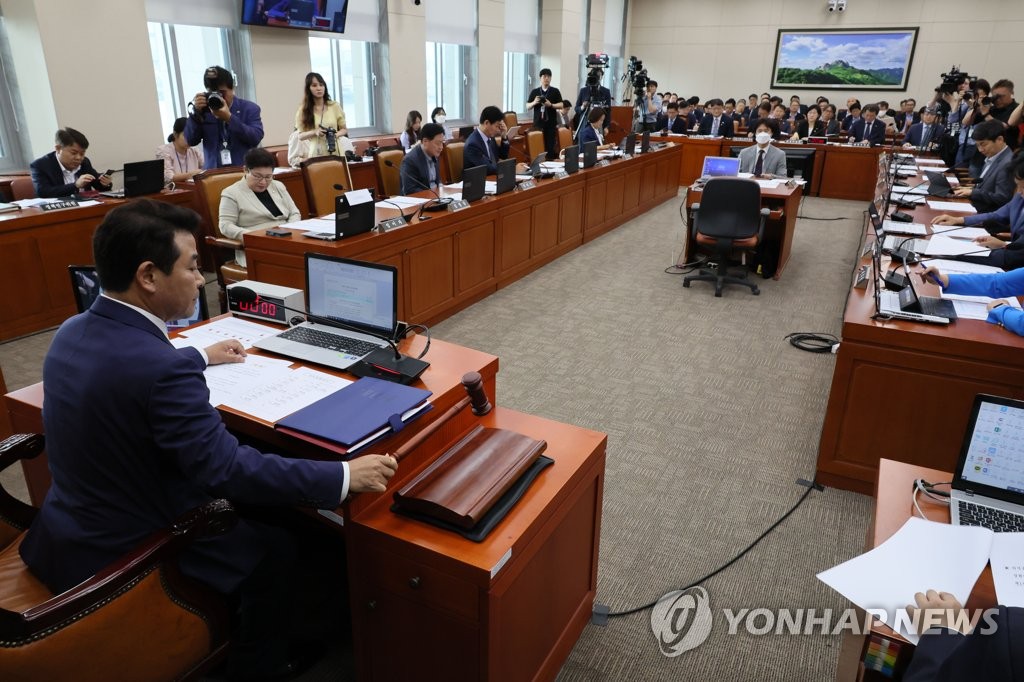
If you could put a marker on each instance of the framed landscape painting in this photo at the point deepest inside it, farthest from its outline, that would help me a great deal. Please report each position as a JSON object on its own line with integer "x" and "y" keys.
{"x": 839, "y": 59}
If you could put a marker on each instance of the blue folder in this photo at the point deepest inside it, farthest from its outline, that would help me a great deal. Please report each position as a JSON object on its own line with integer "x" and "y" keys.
{"x": 356, "y": 411}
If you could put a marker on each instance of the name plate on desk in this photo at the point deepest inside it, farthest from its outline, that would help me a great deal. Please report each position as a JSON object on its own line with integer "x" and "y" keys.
{"x": 603, "y": 162}
{"x": 561, "y": 175}
{"x": 624, "y": 156}
{"x": 390, "y": 224}
{"x": 863, "y": 276}
{"x": 526, "y": 184}
{"x": 457, "y": 206}
{"x": 54, "y": 205}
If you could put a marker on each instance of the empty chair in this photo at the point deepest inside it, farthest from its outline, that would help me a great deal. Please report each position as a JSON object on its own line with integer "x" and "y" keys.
{"x": 320, "y": 175}
{"x": 511, "y": 119}
{"x": 452, "y": 170}
{"x": 534, "y": 144}
{"x": 22, "y": 188}
{"x": 728, "y": 218}
{"x": 209, "y": 185}
{"x": 564, "y": 138}
{"x": 389, "y": 176}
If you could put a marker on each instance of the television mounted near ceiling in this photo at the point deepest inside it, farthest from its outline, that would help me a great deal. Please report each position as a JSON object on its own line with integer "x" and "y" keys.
{"x": 305, "y": 15}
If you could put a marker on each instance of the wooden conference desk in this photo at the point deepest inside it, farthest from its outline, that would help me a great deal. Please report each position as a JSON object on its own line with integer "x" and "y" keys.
{"x": 784, "y": 203}
{"x": 893, "y": 506}
{"x": 448, "y": 261}
{"x": 904, "y": 390}
{"x": 508, "y": 608}
{"x": 36, "y": 248}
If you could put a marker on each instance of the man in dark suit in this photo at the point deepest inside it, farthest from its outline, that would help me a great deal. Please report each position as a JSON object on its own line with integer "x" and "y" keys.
{"x": 925, "y": 134}
{"x": 715, "y": 122}
{"x": 420, "y": 169}
{"x": 867, "y": 129}
{"x": 907, "y": 116}
{"x": 133, "y": 441}
{"x": 995, "y": 187}
{"x": 991, "y": 652}
{"x": 480, "y": 149}
{"x": 66, "y": 170}
{"x": 672, "y": 121}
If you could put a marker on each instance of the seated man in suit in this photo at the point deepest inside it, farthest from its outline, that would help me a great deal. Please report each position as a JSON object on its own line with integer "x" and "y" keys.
{"x": 907, "y": 116}
{"x": 672, "y": 121}
{"x": 420, "y": 169}
{"x": 1008, "y": 247}
{"x": 925, "y": 134}
{"x": 481, "y": 149}
{"x": 134, "y": 443}
{"x": 66, "y": 170}
{"x": 695, "y": 114}
{"x": 995, "y": 187}
{"x": 867, "y": 130}
{"x": 779, "y": 114}
{"x": 762, "y": 159}
{"x": 715, "y": 122}
{"x": 829, "y": 119}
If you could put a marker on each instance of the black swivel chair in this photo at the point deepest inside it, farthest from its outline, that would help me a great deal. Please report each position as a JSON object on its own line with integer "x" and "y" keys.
{"x": 728, "y": 218}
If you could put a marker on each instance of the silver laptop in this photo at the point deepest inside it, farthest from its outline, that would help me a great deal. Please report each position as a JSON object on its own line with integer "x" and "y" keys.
{"x": 988, "y": 484}
{"x": 346, "y": 293}
{"x": 720, "y": 167}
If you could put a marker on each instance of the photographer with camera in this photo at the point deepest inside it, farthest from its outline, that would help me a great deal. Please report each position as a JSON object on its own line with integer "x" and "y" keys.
{"x": 320, "y": 128}
{"x": 228, "y": 126}
{"x": 546, "y": 103}
{"x": 651, "y": 106}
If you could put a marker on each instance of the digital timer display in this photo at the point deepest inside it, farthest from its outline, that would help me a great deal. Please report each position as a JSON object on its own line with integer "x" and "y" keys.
{"x": 264, "y": 308}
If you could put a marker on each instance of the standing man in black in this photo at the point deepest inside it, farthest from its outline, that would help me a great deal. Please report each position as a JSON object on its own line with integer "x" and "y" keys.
{"x": 546, "y": 102}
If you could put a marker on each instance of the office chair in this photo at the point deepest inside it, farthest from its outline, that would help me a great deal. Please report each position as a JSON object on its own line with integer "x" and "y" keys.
{"x": 22, "y": 188}
{"x": 729, "y": 217}
{"x": 138, "y": 619}
{"x": 209, "y": 185}
{"x": 320, "y": 175}
{"x": 281, "y": 157}
{"x": 390, "y": 177}
{"x": 453, "y": 161}
{"x": 534, "y": 143}
{"x": 511, "y": 119}
{"x": 564, "y": 138}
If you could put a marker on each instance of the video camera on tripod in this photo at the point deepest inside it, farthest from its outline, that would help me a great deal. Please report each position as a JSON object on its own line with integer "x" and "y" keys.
{"x": 636, "y": 75}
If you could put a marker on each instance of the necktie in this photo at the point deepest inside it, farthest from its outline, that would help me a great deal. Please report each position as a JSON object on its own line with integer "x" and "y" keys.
{"x": 490, "y": 151}
{"x": 759, "y": 166}
{"x": 714, "y": 127}
{"x": 867, "y": 131}
{"x": 926, "y": 136}
{"x": 909, "y": 121}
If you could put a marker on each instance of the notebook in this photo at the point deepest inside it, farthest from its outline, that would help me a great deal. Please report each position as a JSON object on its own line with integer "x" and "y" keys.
{"x": 474, "y": 183}
{"x": 140, "y": 178}
{"x": 342, "y": 293}
{"x": 720, "y": 167}
{"x": 988, "y": 482}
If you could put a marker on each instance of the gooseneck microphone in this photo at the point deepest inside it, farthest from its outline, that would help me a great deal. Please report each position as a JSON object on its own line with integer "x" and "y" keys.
{"x": 440, "y": 204}
{"x": 406, "y": 218}
{"x": 396, "y": 367}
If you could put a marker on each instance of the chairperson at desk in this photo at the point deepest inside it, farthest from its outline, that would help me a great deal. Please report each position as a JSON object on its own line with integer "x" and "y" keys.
{"x": 66, "y": 170}
{"x": 256, "y": 202}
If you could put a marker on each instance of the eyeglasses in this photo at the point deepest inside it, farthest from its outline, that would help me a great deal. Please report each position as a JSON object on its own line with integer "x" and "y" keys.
{"x": 261, "y": 178}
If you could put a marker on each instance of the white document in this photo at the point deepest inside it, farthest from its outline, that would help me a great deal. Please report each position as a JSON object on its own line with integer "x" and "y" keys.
{"x": 245, "y": 331}
{"x": 951, "y": 206}
{"x": 358, "y": 196}
{"x": 919, "y": 189}
{"x": 325, "y": 224}
{"x": 490, "y": 187}
{"x": 963, "y": 267}
{"x": 520, "y": 177}
{"x": 552, "y": 166}
{"x": 962, "y": 232}
{"x": 90, "y": 202}
{"x": 896, "y": 227}
{"x": 769, "y": 184}
{"x": 970, "y": 310}
{"x": 283, "y": 394}
{"x": 282, "y": 169}
{"x": 922, "y": 555}
{"x": 942, "y": 245}
{"x": 928, "y": 162}
{"x": 236, "y": 378}
{"x": 1008, "y": 568}
{"x": 404, "y": 202}
{"x": 454, "y": 185}
{"x": 745, "y": 175}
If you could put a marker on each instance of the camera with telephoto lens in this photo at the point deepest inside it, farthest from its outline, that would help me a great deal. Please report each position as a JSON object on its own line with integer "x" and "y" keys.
{"x": 332, "y": 139}
{"x": 214, "y": 100}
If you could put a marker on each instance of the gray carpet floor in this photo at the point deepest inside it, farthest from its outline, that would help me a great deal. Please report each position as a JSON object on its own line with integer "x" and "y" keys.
{"x": 711, "y": 417}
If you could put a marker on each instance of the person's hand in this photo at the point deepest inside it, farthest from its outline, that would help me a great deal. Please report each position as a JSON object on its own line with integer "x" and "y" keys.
{"x": 932, "y": 275}
{"x": 766, "y": 176}
{"x": 990, "y": 242}
{"x": 502, "y": 129}
{"x": 963, "y": 192}
{"x": 223, "y": 114}
{"x": 370, "y": 473}
{"x": 992, "y": 305}
{"x": 192, "y": 174}
{"x": 222, "y": 352}
{"x": 937, "y": 609}
{"x": 907, "y": 145}
{"x": 199, "y": 102}
{"x": 342, "y": 132}
{"x": 106, "y": 180}
{"x": 84, "y": 180}
{"x": 945, "y": 219}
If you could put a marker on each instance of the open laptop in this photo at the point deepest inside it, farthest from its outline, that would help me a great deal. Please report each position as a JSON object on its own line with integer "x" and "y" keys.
{"x": 506, "y": 176}
{"x": 572, "y": 159}
{"x": 988, "y": 482}
{"x": 899, "y": 247}
{"x": 629, "y": 145}
{"x": 645, "y": 142}
{"x": 85, "y": 286}
{"x": 720, "y": 167}
{"x": 140, "y": 178}
{"x": 908, "y": 301}
{"x": 474, "y": 183}
{"x": 349, "y": 219}
{"x": 537, "y": 166}
{"x": 354, "y": 293}
{"x": 938, "y": 185}
{"x": 589, "y": 154}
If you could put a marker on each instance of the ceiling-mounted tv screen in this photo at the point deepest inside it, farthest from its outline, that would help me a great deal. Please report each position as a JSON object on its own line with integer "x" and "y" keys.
{"x": 306, "y": 15}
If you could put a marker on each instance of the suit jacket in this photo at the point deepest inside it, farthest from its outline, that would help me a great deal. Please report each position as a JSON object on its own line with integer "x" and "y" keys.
{"x": 1011, "y": 213}
{"x": 678, "y": 125}
{"x": 604, "y": 97}
{"x": 588, "y": 134}
{"x": 48, "y": 178}
{"x": 243, "y": 132}
{"x": 803, "y": 131}
{"x": 415, "y": 171}
{"x": 900, "y": 119}
{"x": 725, "y": 128}
{"x": 946, "y": 656}
{"x": 832, "y": 127}
{"x": 241, "y": 211}
{"x": 475, "y": 152}
{"x": 916, "y": 134}
{"x": 996, "y": 188}
{"x": 133, "y": 443}
{"x": 877, "y": 132}
{"x": 774, "y": 161}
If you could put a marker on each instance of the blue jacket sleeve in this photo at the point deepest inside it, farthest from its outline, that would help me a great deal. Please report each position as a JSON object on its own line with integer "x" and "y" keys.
{"x": 250, "y": 128}
{"x": 996, "y": 285}
{"x": 1002, "y": 214}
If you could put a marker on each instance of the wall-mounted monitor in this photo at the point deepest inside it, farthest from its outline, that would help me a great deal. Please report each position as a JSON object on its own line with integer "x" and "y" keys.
{"x": 305, "y": 15}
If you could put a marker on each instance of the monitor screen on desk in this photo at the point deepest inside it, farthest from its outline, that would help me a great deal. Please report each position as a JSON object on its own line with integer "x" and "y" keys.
{"x": 992, "y": 455}
{"x": 355, "y": 293}
{"x": 720, "y": 167}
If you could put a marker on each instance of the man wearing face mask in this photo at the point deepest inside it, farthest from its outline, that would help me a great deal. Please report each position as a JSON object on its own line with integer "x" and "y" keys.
{"x": 762, "y": 159}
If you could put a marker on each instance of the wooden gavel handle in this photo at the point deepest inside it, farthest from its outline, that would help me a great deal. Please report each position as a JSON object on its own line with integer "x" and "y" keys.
{"x": 474, "y": 385}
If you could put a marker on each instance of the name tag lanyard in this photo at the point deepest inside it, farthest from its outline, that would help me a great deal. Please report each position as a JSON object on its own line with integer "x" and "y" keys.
{"x": 225, "y": 152}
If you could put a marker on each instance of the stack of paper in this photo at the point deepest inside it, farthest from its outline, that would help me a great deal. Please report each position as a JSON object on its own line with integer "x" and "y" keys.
{"x": 944, "y": 245}
{"x": 245, "y": 332}
{"x": 951, "y": 206}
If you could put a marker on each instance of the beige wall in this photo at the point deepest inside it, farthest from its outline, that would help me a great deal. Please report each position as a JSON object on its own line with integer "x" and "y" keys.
{"x": 726, "y": 49}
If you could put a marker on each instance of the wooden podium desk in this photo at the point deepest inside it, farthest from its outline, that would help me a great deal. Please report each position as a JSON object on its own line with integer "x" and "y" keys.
{"x": 893, "y": 506}
{"x": 780, "y": 227}
{"x": 508, "y": 608}
{"x": 904, "y": 390}
{"x": 448, "y": 261}
{"x": 36, "y": 248}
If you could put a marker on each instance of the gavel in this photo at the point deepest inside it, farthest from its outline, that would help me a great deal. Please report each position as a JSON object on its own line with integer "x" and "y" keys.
{"x": 476, "y": 399}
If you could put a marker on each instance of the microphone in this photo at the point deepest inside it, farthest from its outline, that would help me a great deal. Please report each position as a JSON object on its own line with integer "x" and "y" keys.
{"x": 406, "y": 218}
{"x": 381, "y": 364}
{"x": 441, "y": 202}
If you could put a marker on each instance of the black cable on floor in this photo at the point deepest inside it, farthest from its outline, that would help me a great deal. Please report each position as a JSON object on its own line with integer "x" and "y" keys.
{"x": 807, "y": 217}
{"x": 811, "y": 486}
{"x": 812, "y": 342}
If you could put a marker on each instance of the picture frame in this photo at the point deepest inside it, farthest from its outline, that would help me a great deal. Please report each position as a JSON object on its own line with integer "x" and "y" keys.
{"x": 844, "y": 59}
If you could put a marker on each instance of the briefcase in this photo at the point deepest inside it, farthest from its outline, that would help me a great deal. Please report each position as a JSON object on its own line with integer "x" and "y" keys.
{"x": 463, "y": 484}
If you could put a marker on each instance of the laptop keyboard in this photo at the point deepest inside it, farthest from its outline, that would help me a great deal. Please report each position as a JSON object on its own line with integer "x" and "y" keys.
{"x": 334, "y": 342}
{"x": 994, "y": 519}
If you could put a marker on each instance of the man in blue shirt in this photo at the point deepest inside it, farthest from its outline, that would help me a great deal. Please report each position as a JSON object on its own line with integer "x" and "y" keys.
{"x": 651, "y": 104}
{"x": 228, "y": 126}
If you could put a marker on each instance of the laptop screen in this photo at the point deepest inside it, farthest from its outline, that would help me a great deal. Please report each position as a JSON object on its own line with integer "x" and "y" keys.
{"x": 363, "y": 295}
{"x": 992, "y": 456}
{"x": 721, "y": 166}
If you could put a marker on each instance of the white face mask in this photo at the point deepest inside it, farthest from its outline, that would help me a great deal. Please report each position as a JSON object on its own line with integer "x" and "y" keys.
{"x": 763, "y": 138}
{"x": 440, "y": 119}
